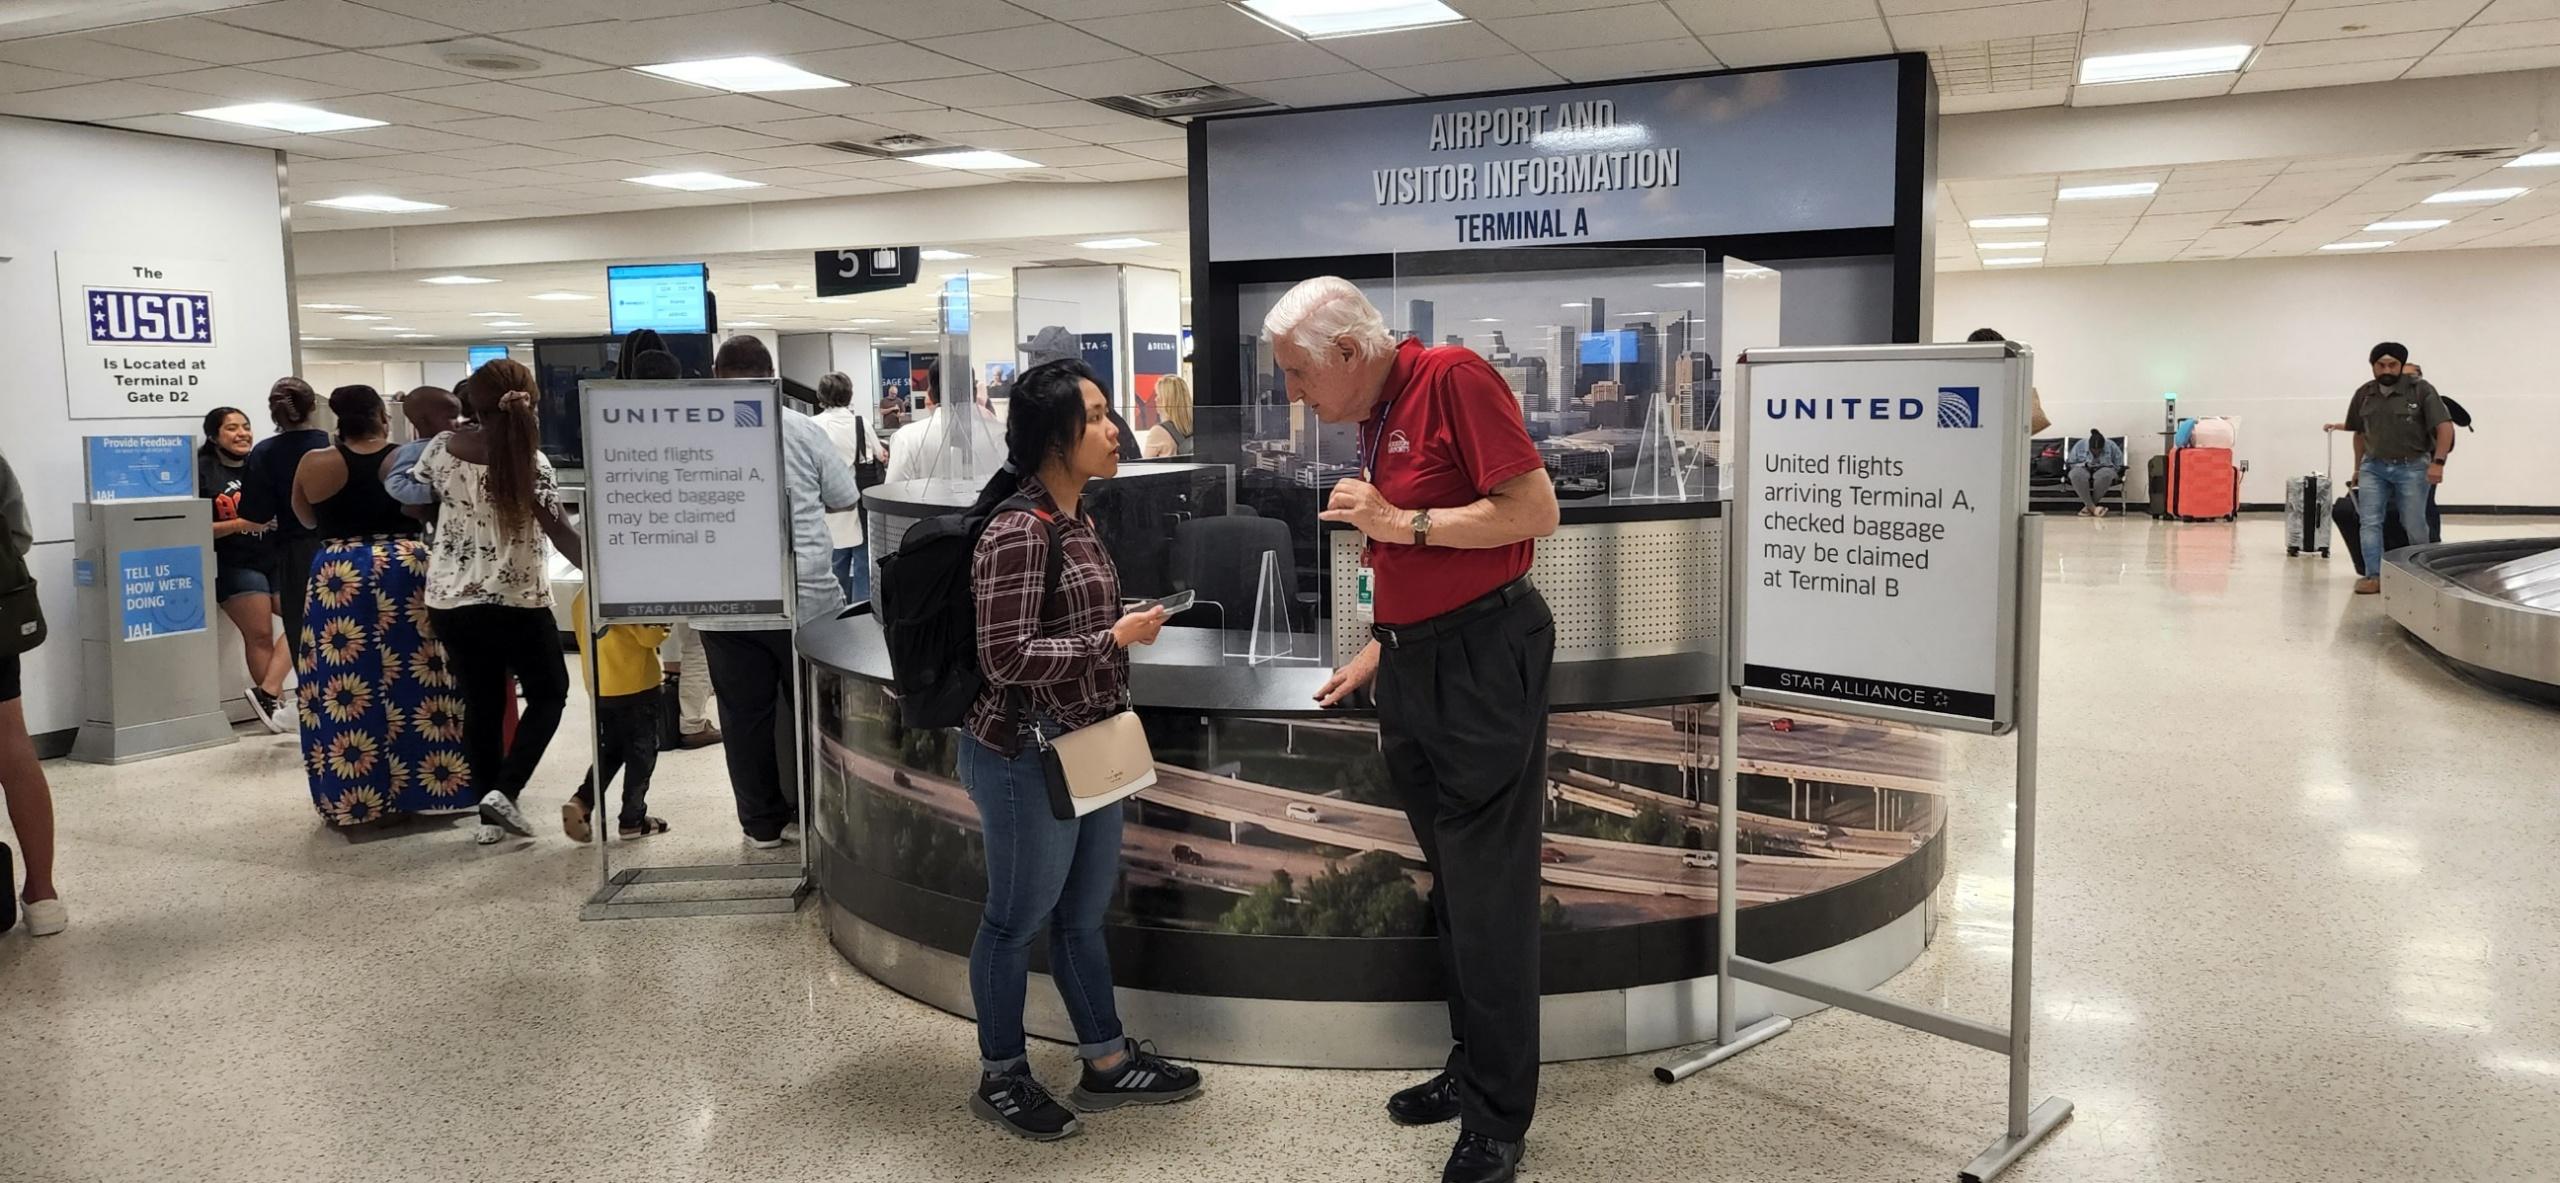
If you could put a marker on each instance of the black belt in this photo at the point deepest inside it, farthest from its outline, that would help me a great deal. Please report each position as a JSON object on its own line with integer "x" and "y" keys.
{"x": 1456, "y": 618}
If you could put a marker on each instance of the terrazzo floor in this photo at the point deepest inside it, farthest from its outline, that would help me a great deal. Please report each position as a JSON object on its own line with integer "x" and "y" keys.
{"x": 2298, "y": 918}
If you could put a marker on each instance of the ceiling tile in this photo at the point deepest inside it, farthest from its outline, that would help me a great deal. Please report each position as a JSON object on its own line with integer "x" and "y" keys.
{"x": 2166, "y": 89}
{"x": 716, "y": 139}
{"x": 18, "y": 79}
{"x": 1078, "y": 10}
{"x": 1490, "y": 9}
{"x": 1128, "y": 130}
{"x": 84, "y": 54}
{"x": 199, "y": 129}
{"x": 2215, "y": 200}
{"x": 1085, "y": 155}
{"x": 2374, "y": 20}
{"x": 506, "y": 16}
{"x": 2008, "y": 100}
{"x": 1804, "y": 43}
{"x": 2501, "y": 11}
{"x": 938, "y": 122}
{"x": 502, "y": 98}
{"x": 848, "y": 187}
{"x": 2444, "y": 64}
{"x": 1709, "y": 17}
{"x": 206, "y": 41}
{"x": 1136, "y": 170}
{"x": 1419, "y": 47}
{"x": 335, "y": 22}
{"x": 609, "y": 147}
{"x": 1296, "y": 59}
{"x": 505, "y": 128}
{"x": 785, "y": 176}
{"x": 1164, "y": 151}
{"x": 1667, "y": 56}
{"x": 246, "y": 84}
{"x": 759, "y": 30}
{"x": 911, "y": 20}
{"x": 522, "y": 156}
{"x": 803, "y": 155}
{"x": 1132, "y": 75}
{"x": 1626, "y": 25}
{"x": 1020, "y": 139}
{"x": 1043, "y": 114}
{"x": 363, "y": 72}
{"x": 975, "y": 91}
{"x": 611, "y": 121}
{"x": 1928, "y": 30}
{"x": 1326, "y": 90}
{"x": 546, "y": 62}
{"x": 411, "y": 139}
{"x": 2488, "y": 38}
{"x": 1482, "y": 74}
{"x": 852, "y": 100}
{"x": 818, "y": 129}
{"x": 613, "y": 86}
{"x": 1183, "y": 29}
{"x": 2301, "y": 77}
{"x": 890, "y": 62}
{"x": 2402, "y": 46}
{"x": 2117, "y": 14}
{"x": 1027, "y": 48}
{"x": 100, "y": 100}
{"x": 401, "y": 108}
{"x": 2247, "y": 30}
{"x": 726, "y": 108}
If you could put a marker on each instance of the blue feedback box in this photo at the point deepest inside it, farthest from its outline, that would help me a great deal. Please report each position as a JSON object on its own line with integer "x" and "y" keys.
{"x": 125, "y": 467}
{"x": 162, "y": 591}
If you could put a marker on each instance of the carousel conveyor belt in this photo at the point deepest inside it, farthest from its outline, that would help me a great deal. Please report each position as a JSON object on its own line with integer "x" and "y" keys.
{"x": 2492, "y": 608}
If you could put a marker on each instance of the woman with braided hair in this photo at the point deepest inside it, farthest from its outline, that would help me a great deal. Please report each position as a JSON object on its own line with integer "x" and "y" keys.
{"x": 489, "y": 586}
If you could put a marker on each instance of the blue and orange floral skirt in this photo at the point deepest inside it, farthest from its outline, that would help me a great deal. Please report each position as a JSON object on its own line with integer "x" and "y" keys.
{"x": 381, "y": 720}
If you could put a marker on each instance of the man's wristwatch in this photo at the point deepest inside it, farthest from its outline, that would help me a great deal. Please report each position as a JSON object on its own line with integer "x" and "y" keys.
{"x": 1422, "y": 527}
{"x": 2438, "y": 461}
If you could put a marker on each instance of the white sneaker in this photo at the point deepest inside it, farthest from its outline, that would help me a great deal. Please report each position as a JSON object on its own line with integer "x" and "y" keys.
{"x": 47, "y": 917}
{"x": 791, "y": 832}
{"x": 764, "y": 843}
{"x": 273, "y": 711}
{"x": 507, "y": 814}
{"x": 489, "y": 835}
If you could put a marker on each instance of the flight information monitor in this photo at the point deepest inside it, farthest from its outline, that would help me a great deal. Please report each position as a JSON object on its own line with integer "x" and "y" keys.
{"x": 482, "y": 355}
{"x": 668, "y": 297}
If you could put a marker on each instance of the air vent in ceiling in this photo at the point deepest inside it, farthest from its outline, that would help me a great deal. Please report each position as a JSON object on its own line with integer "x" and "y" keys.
{"x": 1185, "y": 104}
{"x": 890, "y": 147}
{"x": 2464, "y": 154}
{"x": 482, "y": 56}
{"x": 2426, "y": 179}
{"x": 2260, "y": 222}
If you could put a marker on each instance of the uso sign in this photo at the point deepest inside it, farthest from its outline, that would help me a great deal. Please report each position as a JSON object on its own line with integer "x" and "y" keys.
{"x": 139, "y": 339}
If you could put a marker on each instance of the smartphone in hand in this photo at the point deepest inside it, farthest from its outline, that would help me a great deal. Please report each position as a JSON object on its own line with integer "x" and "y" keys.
{"x": 1173, "y": 605}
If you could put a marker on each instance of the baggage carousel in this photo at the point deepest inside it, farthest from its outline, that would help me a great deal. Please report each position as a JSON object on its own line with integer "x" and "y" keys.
{"x": 2490, "y": 608}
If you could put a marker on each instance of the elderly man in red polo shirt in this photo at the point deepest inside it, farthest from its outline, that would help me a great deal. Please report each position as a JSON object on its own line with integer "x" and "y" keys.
{"x": 1450, "y": 498}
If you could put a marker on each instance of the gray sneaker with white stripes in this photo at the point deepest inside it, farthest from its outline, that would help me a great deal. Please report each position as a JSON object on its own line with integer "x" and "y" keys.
{"x": 1015, "y": 1102}
{"x": 1140, "y": 1078}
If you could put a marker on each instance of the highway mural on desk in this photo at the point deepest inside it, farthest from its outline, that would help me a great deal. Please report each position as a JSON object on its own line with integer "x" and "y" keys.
{"x": 1269, "y": 827}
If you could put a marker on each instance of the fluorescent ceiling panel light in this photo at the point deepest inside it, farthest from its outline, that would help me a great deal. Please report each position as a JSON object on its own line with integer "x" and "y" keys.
{"x": 1350, "y": 18}
{"x": 333, "y": 307}
{"x": 1116, "y": 244}
{"x": 938, "y": 255}
{"x": 2411, "y": 224}
{"x": 1487, "y": 320}
{"x": 380, "y": 203}
{"x": 562, "y": 296}
{"x": 974, "y": 159}
{"x": 510, "y": 324}
{"x": 486, "y": 315}
{"x": 1686, "y": 283}
{"x": 2473, "y": 196}
{"x": 291, "y": 117}
{"x": 1577, "y": 304}
{"x": 319, "y": 338}
{"x": 2024, "y": 244}
{"x": 456, "y": 280}
{"x": 2013, "y": 261}
{"x": 746, "y": 75}
{"x": 2356, "y": 246}
{"x": 2093, "y": 192}
{"x": 2536, "y": 160}
{"x": 2022, "y": 222}
{"x": 869, "y": 320}
{"x": 2167, "y": 63}
{"x": 413, "y": 334}
{"x": 694, "y": 182}
{"x": 391, "y": 328}
{"x": 364, "y": 316}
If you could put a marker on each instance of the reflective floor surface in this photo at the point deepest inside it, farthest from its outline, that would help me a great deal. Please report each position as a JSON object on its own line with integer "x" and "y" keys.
{"x": 2299, "y": 918}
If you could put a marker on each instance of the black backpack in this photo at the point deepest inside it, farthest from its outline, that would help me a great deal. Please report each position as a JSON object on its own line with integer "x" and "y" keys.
{"x": 929, "y": 615}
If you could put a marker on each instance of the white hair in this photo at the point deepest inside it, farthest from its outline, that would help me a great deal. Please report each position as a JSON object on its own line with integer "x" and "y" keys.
{"x": 1326, "y": 309}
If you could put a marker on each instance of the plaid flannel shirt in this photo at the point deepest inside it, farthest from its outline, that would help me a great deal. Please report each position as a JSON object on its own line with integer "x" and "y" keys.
{"x": 1066, "y": 661}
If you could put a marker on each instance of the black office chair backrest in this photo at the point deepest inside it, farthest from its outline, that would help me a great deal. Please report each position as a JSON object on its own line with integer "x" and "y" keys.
{"x": 1221, "y": 559}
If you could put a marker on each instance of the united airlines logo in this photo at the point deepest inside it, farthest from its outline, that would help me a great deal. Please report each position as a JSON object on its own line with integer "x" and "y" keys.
{"x": 1959, "y": 406}
{"x": 128, "y": 316}
{"x": 747, "y": 414}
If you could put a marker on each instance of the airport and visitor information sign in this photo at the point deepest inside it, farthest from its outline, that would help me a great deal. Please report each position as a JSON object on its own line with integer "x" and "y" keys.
{"x": 685, "y": 514}
{"x": 1877, "y": 506}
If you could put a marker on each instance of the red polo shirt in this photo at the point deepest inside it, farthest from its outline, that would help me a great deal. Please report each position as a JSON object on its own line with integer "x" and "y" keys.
{"x": 1446, "y": 434}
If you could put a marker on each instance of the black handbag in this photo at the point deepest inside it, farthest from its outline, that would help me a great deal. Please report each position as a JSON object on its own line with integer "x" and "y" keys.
{"x": 867, "y": 470}
{"x": 21, "y": 615}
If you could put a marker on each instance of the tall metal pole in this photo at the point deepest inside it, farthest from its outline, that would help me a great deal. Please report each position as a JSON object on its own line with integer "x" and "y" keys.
{"x": 2022, "y": 933}
{"x": 590, "y": 657}
{"x": 1728, "y": 882}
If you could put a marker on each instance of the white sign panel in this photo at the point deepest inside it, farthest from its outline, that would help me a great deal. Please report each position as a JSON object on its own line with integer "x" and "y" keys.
{"x": 1877, "y": 513}
{"x": 685, "y": 502}
{"x": 146, "y": 337}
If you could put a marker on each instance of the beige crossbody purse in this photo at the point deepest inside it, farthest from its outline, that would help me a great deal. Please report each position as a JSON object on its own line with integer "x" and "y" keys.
{"x": 1091, "y": 767}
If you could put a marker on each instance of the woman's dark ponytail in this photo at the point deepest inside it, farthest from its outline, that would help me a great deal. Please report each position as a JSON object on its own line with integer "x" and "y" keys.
{"x": 502, "y": 399}
{"x": 1044, "y": 417}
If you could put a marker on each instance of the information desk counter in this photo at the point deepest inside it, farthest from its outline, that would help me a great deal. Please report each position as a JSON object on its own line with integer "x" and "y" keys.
{"x": 1271, "y": 904}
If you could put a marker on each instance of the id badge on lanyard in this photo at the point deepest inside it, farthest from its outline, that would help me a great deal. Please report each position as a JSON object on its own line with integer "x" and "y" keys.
{"x": 1367, "y": 587}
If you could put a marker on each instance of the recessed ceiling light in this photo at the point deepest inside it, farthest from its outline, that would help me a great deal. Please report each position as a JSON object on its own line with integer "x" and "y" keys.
{"x": 490, "y": 314}
{"x": 2092, "y": 192}
{"x": 1350, "y": 18}
{"x": 694, "y": 182}
{"x": 746, "y": 75}
{"x": 413, "y": 334}
{"x": 2169, "y": 63}
{"x": 391, "y": 328}
{"x": 1577, "y": 304}
{"x": 2356, "y": 246}
{"x": 2013, "y": 261}
{"x": 2536, "y": 160}
{"x": 456, "y": 280}
{"x": 319, "y": 338}
{"x": 981, "y": 161}
{"x": 938, "y": 255}
{"x": 1487, "y": 320}
{"x": 363, "y": 316}
{"x": 2473, "y": 196}
{"x": 2023, "y": 222}
{"x": 2024, "y": 244}
{"x": 380, "y": 203}
{"x": 291, "y": 117}
{"x": 1686, "y": 283}
{"x": 2411, "y": 224}
{"x": 869, "y": 320}
{"x": 562, "y": 296}
{"x": 1116, "y": 244}
{"x": 333, "y": 307}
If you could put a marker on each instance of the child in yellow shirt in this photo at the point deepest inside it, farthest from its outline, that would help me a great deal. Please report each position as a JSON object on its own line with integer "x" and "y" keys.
{"x": 625, "y": 691}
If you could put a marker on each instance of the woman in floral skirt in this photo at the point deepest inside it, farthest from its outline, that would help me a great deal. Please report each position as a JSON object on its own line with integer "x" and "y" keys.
{"x": 381, "y": 718}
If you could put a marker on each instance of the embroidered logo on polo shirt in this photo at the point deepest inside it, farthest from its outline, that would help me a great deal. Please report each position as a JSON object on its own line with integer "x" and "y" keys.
{"x": 1397, "y": 444}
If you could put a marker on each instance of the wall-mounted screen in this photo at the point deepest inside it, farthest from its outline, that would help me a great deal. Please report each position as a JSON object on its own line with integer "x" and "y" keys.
{"x": 1610, "y": 348}
{"x": 668, "y": 297}
{"x": 482, "y": 355}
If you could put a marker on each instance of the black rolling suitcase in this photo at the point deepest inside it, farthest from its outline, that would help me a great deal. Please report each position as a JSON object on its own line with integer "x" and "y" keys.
{"x": 2159, "y": 474}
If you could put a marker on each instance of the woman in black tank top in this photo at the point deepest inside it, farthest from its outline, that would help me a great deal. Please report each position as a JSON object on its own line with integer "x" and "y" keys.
{"x": 381, "y": 724}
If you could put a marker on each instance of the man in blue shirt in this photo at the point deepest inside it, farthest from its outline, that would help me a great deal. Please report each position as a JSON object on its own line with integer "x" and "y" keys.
{"x": 432, "y": 411}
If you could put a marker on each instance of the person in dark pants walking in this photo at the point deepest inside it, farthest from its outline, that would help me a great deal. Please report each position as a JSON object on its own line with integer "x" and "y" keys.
{"x": 752, "y": 667}
{"x": 266, "y": 497}
{"x": 1451, "y": 497}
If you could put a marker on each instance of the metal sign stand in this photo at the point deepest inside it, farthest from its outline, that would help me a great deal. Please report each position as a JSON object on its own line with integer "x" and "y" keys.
{"x": 2029, "y": 1123}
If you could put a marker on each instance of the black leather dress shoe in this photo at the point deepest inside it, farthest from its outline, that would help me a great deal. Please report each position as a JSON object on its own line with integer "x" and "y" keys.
{"x": 1479, "y": 1159}
{"x": 1429, "y": 1103}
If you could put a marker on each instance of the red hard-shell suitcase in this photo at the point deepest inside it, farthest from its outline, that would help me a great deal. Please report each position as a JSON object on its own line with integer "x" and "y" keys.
{"x": 2203, "y": 485}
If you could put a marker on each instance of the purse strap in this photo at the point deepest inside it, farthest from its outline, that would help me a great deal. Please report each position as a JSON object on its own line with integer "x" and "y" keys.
{"x": 1018, "y": 699}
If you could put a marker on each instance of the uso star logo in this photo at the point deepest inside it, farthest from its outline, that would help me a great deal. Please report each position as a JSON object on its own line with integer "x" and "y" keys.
{"x": 136, "y": 316}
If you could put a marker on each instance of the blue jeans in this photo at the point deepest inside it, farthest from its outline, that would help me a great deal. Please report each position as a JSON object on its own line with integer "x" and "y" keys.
{"x": 2400, "y": 486}
{"x": 1039, "y": 870}
{"x": 853, "y": 572}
